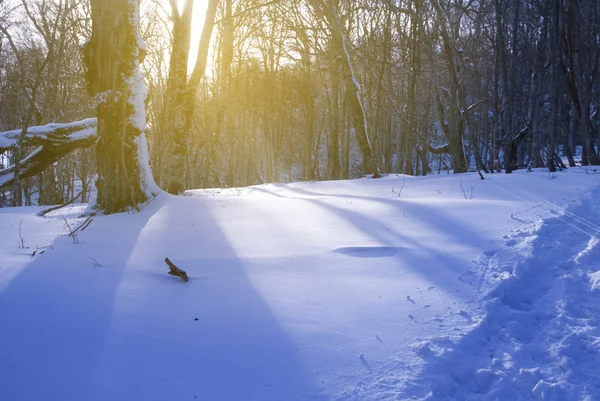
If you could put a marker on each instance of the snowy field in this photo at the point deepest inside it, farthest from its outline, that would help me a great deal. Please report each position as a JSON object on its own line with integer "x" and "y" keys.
{"x": 401, "y": 288}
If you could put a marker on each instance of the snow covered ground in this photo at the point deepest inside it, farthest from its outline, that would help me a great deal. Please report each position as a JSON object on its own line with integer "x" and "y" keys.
{"x": 391, "y": 289}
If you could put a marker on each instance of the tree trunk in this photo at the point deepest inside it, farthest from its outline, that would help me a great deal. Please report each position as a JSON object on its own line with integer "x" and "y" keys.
{"x": 174, "y": 105}
{"x": 330, "y": 15}
{"x": 112, "y": 57}
{"x": 333, "y": 160}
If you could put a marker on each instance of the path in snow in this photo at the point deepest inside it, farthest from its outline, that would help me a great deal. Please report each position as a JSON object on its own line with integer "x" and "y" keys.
{"x": 540, "y": 337}
{"x": 302, "y": 291}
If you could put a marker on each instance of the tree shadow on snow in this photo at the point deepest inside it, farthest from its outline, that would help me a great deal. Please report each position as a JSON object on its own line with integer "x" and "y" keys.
{"x": 128, "y": 331}
{"x": 212, "y": 338}
{"x": 422, "y": 258}
{"x": 55, "y": 316}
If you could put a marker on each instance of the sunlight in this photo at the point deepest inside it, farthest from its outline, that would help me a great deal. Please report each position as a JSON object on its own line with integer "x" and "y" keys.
{"x": 197, "y": 24}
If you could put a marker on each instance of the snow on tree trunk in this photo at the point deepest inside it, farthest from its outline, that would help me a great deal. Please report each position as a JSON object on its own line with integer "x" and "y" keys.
{"x": 112, "y": 57}
{"x": 359, "y": 117}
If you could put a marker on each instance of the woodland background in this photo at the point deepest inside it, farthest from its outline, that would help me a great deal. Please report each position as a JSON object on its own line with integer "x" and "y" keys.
{"x": 444, "y": 86}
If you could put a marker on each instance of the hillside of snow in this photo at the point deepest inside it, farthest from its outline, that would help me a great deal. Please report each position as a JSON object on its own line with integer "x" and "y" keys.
{"x": 401, "y": 288}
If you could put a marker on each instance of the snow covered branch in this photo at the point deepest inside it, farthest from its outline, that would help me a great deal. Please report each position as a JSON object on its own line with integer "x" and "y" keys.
{"x": 434, "y": 149}
{"x": 52, "y": 134}
{"x": 52, "y": 142}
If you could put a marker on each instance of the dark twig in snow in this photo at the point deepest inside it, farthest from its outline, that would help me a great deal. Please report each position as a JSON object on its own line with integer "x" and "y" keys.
{"x": 470, "y": 195}
{"x": 21, "y": 240}
{"x": 95, "y": 262}
{"x": 399, "y": 193}
{"x": 176, "y": 271}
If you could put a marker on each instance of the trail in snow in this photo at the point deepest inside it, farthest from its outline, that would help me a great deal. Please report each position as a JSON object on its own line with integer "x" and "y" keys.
{"x": 540, "y": 337}
{"x": 334, "y": 290}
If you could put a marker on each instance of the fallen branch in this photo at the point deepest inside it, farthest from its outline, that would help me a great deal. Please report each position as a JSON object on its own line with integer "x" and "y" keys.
{"x": 72, "y": 234}
{"x": 83, "y": 225}
{"x": 45, "y": 212}
{"x": 176, "y": 271}
{"x": 433, "y": 149}
{"x": 52, "y": 142}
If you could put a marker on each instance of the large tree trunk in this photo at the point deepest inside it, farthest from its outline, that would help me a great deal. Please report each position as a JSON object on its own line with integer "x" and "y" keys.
{"x": 112, "y": 57}
{"x": 581, "y": 72}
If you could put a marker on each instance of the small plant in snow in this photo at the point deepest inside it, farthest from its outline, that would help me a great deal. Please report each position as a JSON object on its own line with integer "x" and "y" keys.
{"x": 72, "y": 233}
{"x": 470, "y": 195}
{"x": 21, "y": 239}
{"x": 399, "y": 192}
{"x": 41, "y": 249}
{"x": 589, "y": 170}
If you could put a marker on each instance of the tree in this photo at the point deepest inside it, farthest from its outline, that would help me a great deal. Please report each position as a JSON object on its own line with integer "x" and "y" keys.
{"x": 309, "y": 89}
{"x": 330, "y": 15}
{"x": 113, "y": 56}
{"x": 179, "y": 105}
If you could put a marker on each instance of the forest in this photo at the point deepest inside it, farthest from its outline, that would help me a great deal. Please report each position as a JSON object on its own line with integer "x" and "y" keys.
{"x": 294, "y": 90}
{"x": 267, "y": 200}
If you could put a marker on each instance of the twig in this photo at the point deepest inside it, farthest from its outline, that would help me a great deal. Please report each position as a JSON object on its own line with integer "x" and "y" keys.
{"x": 470, "y": 196}
{"x": 43, "y": 249}
{"x": 85, "y": 223}
{"x": 44, "y": 212}
{"x": 176, "y": 271}
{"x": 72, "y": 234}
{"x": 21, "y": 240}
{"x": 96, "y": 263}
{"x": 399, "y": 193}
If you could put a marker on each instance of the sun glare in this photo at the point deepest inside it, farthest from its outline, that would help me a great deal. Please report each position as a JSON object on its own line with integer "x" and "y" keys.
{"x": 198, "y": 16}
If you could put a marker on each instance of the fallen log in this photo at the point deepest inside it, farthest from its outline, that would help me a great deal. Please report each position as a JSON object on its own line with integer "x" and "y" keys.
{"x": 52, "y": 141}
{"x": 49, "y": 134}
{"x": 176, "y": 271}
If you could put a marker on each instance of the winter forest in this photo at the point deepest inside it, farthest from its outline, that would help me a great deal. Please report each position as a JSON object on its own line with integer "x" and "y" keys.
{"x": 282, "y": 91}
{"x": 293, "y": 200}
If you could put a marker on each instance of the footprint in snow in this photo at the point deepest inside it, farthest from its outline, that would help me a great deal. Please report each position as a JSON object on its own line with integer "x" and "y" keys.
{"x": 430, "y": 288}
{"x": 364, "y": 361}
{"x": 409, "y": 299}
{"x": 491, "y": 253}
{"x": 411, "y": 317}
{"x": 466, "y": 315}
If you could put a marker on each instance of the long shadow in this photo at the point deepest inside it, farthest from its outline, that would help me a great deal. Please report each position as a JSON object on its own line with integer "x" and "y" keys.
{"x": 422, "y": 257}
{"x": 434, "y": 218}
{"x": 213, "y": 338}
{"x": 55, "y": 315}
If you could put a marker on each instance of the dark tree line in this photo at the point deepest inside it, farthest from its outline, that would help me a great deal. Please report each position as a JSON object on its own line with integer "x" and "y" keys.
{"x": 315, "y": 89}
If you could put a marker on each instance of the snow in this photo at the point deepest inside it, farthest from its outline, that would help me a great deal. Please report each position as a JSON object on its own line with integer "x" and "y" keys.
{"x": 334, "y": 290}
{"x": 137, "y": 99}
{"x": 88, "y": 128}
